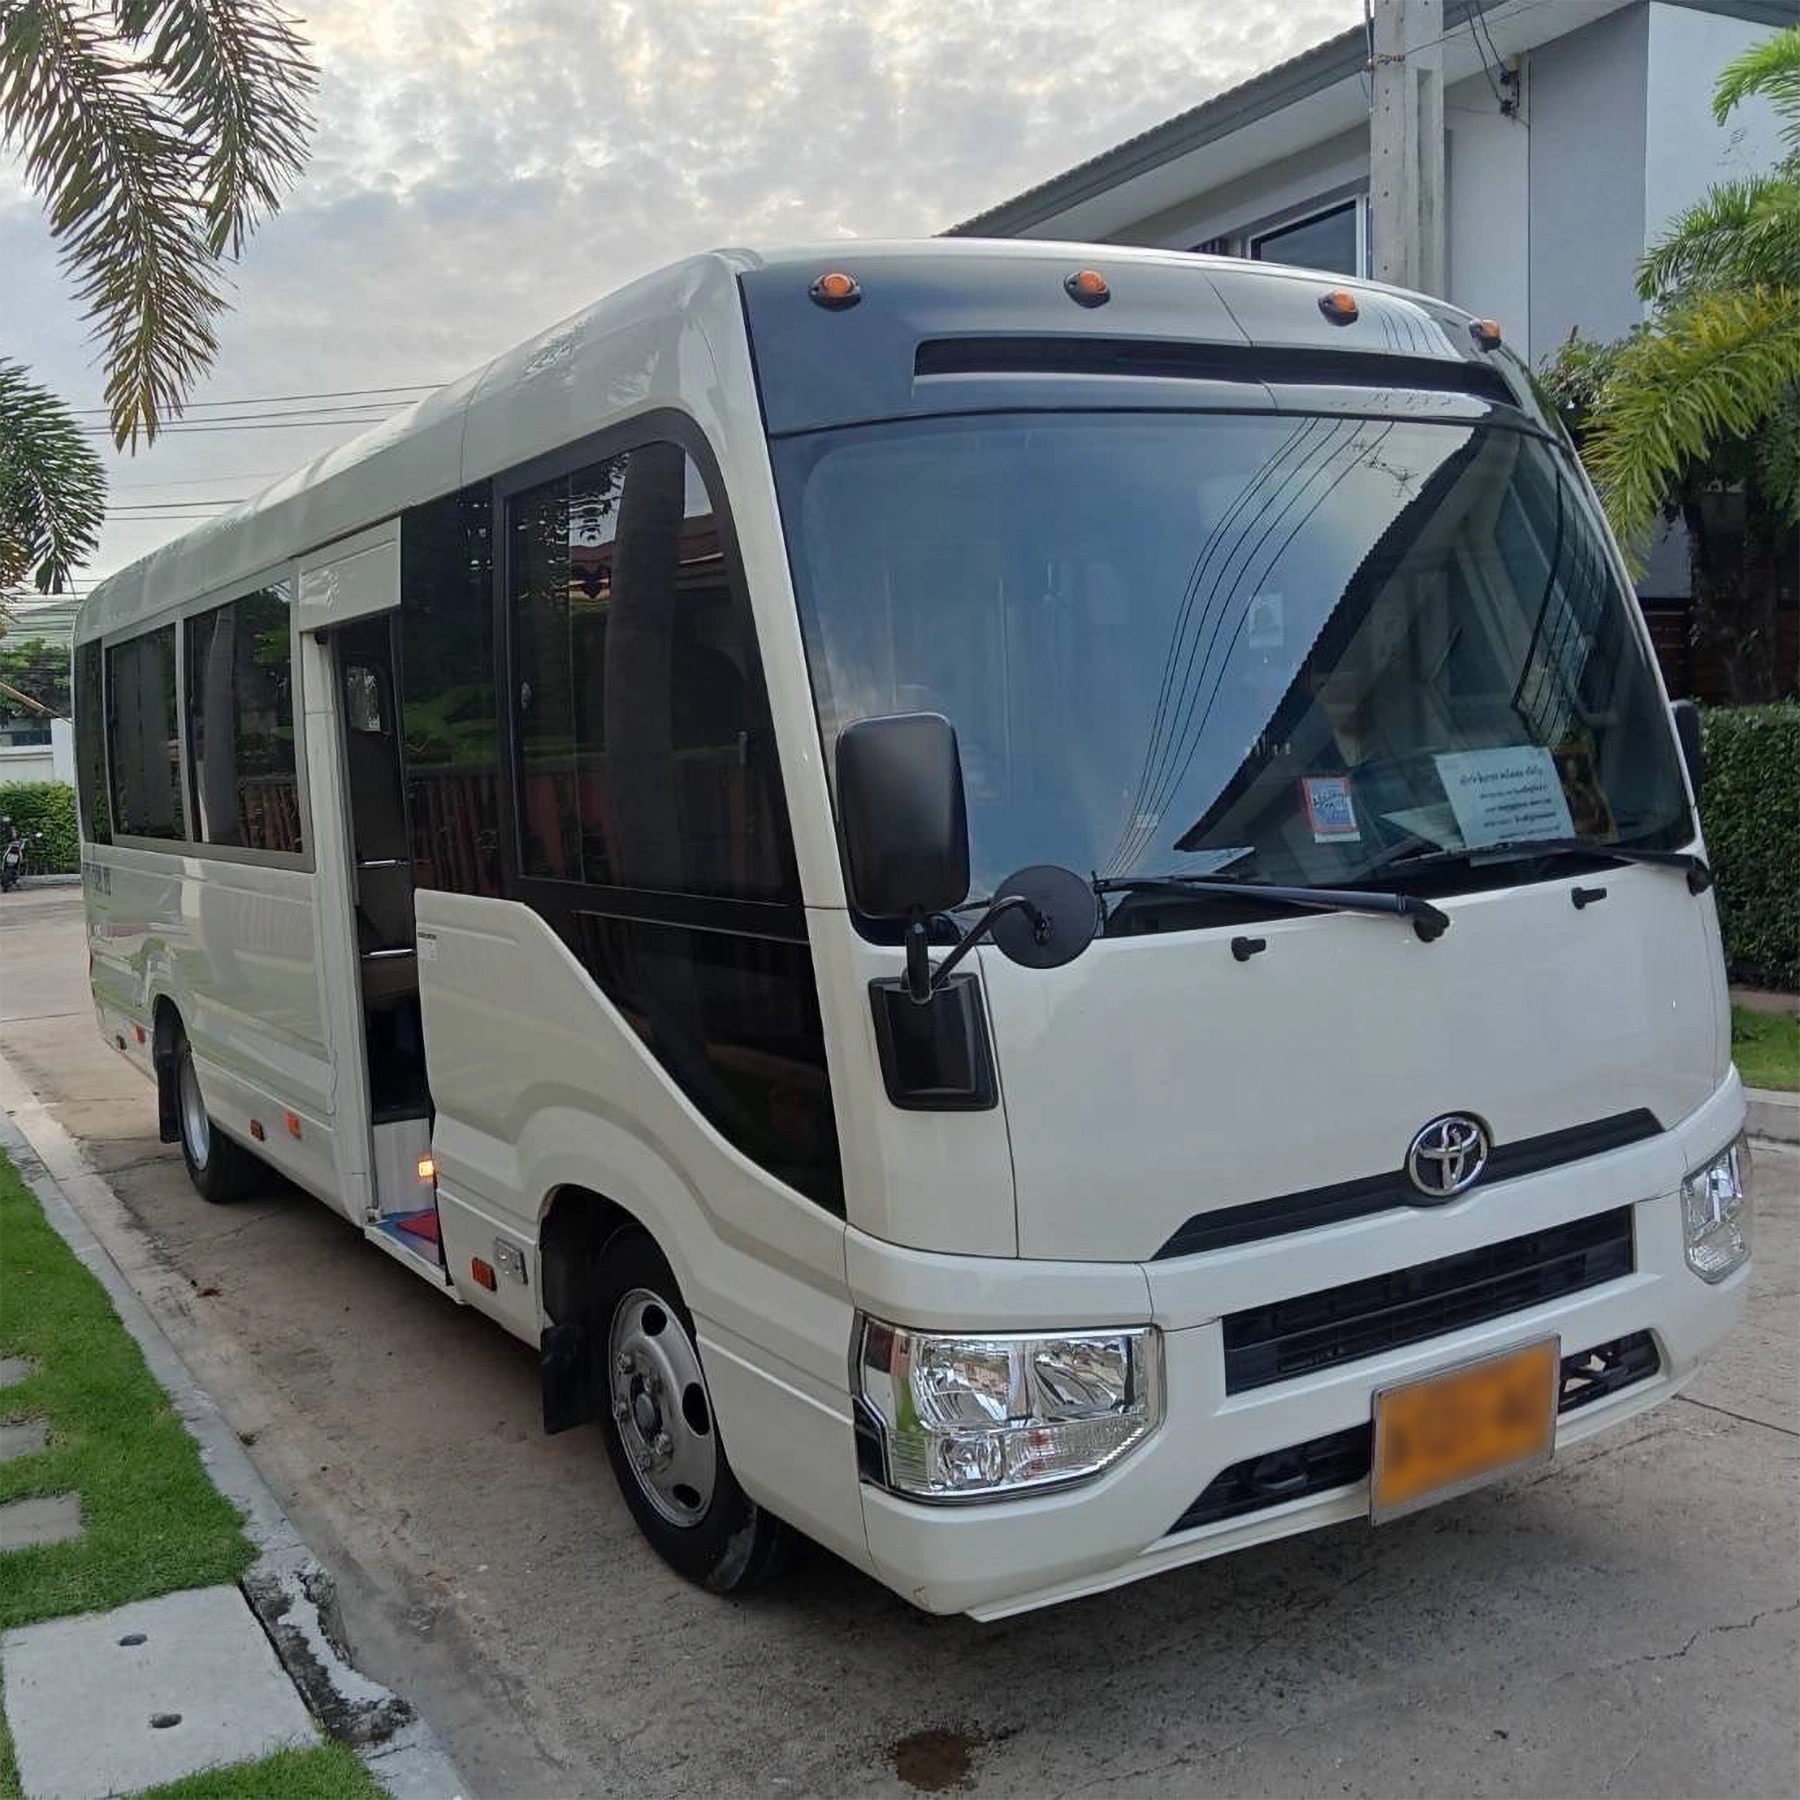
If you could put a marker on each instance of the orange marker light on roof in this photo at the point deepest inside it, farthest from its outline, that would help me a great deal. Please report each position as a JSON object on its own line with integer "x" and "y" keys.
{"x": 1339, "y": 306}
{"x": 1486, "y": 333}
{"x": 836, "y": 290}
{"x": 1087, "y": 287}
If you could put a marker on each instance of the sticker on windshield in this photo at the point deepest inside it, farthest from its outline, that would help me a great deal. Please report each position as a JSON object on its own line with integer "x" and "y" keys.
{"x": 1504, "y": 794}
{"x": 1330, "y": 809}
{"x": 1264, "y": 625}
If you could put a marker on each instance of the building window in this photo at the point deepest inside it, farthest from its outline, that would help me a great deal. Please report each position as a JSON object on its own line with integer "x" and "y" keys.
{"x": 90, "y": 747}
{"x": 240, "y": 697}
{"x": 143, "y": 735}
{"x": 1330, "y": 240}
{"x": 645, "y": 754}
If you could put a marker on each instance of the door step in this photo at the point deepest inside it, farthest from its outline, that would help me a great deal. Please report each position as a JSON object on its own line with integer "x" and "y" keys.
{"x": 418, "y": 1231}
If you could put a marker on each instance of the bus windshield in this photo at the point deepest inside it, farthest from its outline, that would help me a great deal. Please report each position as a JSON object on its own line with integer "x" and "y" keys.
{"x": 1287, "y": 648}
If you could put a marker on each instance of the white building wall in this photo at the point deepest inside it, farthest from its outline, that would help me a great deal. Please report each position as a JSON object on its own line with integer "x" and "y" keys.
{"x": 1487, "y": 175}
{"x": 1685, "y": 152}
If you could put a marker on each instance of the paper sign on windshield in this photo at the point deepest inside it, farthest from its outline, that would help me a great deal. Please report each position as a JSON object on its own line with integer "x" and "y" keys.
{"x": 1499, "y": 795}
{"x": 1329, "y": 808}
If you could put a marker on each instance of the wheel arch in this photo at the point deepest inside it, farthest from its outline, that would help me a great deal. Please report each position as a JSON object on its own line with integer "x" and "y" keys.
{"x": 577, "y": 1225}
{"x": 166, "y": 1029}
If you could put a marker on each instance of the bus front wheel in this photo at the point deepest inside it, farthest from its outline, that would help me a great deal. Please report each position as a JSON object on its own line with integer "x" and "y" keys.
{"x": 661, "y": 1437}
{"x": 220, "y": 1169}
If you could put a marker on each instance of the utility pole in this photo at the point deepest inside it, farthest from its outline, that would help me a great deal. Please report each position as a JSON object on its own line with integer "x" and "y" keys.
{"x": 1406, "y": 143}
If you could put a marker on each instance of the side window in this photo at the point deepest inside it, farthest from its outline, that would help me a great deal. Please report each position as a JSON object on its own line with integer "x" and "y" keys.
{"x": 90, "y": 747}
{"x": 645, "y": 754}
{"x": 449, "y": 706}
{"x": 142, "y": 732}
{"x": 240, "y": 697}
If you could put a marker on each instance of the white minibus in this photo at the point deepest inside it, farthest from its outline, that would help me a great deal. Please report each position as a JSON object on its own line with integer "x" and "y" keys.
{"x": 1035, "y": 908}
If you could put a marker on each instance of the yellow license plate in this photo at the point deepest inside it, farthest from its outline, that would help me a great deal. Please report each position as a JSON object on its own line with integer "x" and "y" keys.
{"x": 1450, "y": 1432}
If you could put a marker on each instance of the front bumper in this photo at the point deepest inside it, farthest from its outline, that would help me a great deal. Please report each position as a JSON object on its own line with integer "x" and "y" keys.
{"x": 995, "y": 1559}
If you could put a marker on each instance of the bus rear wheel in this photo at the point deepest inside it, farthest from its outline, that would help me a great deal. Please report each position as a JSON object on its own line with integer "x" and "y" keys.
{"x": 220, "y": 1169}
{"x": 661, "y": 1438}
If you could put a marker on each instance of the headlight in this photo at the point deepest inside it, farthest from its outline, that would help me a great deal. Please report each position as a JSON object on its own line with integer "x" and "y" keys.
{"x": 970, "y": 1418}
{"x": 1715, "y": 1213}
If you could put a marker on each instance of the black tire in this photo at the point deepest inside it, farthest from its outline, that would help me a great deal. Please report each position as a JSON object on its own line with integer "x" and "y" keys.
{"x": 719, "y": 1538}
{"x": 220, "y": 1168}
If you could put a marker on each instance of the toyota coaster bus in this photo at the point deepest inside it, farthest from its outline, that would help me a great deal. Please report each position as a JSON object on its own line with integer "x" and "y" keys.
{"x": 1035, "y": 908}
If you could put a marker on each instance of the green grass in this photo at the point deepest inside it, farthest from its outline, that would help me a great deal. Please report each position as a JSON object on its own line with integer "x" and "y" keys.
{"x": 331, "y": 1772}
{"x": 153, "y": 1521}
{"x": 1766, "y": 1048}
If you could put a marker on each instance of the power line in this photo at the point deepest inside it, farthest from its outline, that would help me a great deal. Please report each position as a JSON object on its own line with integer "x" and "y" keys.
{"x": 146, "y": 487}
{"x": 393, "y": 387}
{"x": 292, "y": 424}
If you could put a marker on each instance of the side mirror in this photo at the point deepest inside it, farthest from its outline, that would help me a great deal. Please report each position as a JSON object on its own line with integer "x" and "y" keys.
{"x": 906, "y": 830}
{"x": 1687, "y": 731}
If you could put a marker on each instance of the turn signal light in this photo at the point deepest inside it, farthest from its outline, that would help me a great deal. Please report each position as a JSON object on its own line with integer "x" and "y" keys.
{"x": 292, "y": 1121}
{"x": 483, "y": 1273}
{"x": 1339, "y": 306}
{"x": 1486, "y": 333}
{"x": 836, "y": 290}
{"x": 1087, "y": 287}
{"x": 427, "y": 1169}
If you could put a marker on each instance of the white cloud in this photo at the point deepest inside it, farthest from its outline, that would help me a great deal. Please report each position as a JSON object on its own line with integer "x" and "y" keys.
{"x": 483, "y": 169}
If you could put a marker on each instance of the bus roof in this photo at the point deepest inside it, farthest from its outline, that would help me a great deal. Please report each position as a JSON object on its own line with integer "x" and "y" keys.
{"x": 636, "y": 349}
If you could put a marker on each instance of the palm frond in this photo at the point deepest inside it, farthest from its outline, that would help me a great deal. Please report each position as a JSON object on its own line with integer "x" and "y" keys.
{"x": 1771, "y": 68}
{"x": 240, "y": 79}
{"x": 52, "y": 487}
{"x": 115, "y": 173}
{"x": 1780, "y": 461}
{"x": 1743, "y": 233}
{"x": 1715, "y": 369}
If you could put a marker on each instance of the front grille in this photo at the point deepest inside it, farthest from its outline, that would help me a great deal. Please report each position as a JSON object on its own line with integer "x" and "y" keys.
{"x": 1309, "y": 1332}
{"x": 1341, "y": 1459}
{"x": 1256, "y": 1220}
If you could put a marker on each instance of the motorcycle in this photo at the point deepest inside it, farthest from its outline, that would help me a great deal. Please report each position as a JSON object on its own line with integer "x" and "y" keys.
{"x": 12, "y": 858}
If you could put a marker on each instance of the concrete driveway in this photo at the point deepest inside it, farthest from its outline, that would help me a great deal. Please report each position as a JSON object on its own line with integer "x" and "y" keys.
{"x": 1625, "y": 1622}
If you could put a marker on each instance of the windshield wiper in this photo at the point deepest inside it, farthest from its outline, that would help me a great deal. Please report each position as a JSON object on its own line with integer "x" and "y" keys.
{"x": 1699, "y": 875}
{"x": 1426, "y": 919}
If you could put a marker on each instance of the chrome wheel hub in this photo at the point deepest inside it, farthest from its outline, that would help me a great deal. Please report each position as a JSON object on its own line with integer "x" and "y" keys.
{"x": 196, "y": 1127}
{"x": 661, "y": 1409}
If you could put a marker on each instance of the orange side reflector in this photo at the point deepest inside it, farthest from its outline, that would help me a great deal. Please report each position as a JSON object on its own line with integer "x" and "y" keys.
{"x": 256, "y": 1130}
{"x": 484, "y": 1273}
{"x": 293, "y": 1124}
{"x": 140, "y": 1032}
{"x": 427, "y": 1169}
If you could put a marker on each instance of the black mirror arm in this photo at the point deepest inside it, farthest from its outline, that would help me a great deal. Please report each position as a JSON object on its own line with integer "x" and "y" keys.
{"x": 922, "y": 980}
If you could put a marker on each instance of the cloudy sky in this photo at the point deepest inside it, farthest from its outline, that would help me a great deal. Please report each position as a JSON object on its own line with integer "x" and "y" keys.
{"x": 483, "y": 169}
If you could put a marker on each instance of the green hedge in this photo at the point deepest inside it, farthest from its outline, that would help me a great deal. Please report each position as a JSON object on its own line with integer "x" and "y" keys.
{"x": 49, "y": 807}
{"x": 1750, "y": 808}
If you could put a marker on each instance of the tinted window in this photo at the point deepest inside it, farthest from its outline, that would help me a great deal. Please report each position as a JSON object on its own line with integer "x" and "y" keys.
{"x": 90, "y": 747}
{"x": 240, "y": 696}
{"x": 448, "y": 685}
{"x": 141, "y": 729}
{"x": 735, "y": 1021}
{"x": 645, "y": 755}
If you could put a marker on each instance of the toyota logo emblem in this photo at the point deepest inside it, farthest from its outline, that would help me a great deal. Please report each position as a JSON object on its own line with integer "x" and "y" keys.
{"x": 1448, "y": 1156}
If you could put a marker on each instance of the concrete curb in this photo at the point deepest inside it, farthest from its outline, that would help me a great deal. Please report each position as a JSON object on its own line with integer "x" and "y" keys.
{"x": 288, "y": 1588}
{"x": 1772, "y": 1114}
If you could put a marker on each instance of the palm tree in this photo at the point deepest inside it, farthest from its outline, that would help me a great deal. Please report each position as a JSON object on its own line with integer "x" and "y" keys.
{"x": 157, "y": 133}
{"x": 1720, "y": 360}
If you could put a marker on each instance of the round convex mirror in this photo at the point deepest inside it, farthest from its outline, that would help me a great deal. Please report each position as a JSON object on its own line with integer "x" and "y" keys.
{"x": 1068, "y": 906}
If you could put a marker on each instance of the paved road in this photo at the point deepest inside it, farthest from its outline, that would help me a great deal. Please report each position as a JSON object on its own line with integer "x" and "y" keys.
{"x": 1626, "y": 1622}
